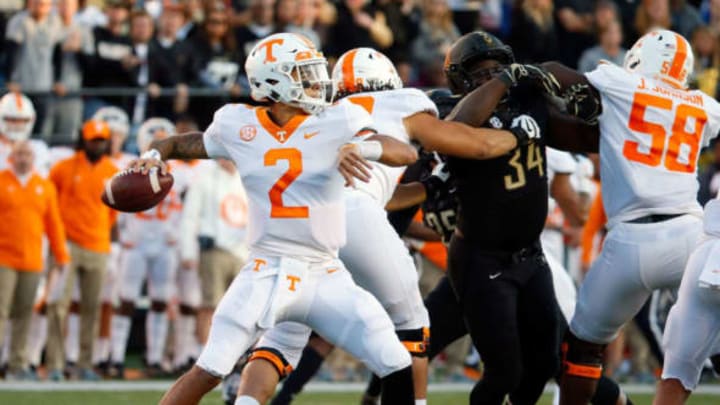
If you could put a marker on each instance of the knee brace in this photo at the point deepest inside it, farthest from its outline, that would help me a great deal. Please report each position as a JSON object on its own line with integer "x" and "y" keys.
{"x": 416, "y": 341}
{"x": 582, "y": 359}
{"x": 274, "y": 357}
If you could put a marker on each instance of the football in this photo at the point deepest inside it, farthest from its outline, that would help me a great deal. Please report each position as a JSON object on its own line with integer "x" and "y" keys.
{"x": 132, "y": 191}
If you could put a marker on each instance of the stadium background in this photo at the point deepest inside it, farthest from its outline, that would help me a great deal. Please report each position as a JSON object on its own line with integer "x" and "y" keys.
{"x": 194, "y": 64}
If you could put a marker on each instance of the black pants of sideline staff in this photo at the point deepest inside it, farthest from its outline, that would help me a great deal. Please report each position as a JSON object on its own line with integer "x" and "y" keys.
{"x": 508, "y": 306}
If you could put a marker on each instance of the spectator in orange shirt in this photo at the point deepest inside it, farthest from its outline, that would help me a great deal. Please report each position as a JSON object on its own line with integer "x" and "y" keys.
{"x": 28, "y": 210}
{"x": 80, "y": 180}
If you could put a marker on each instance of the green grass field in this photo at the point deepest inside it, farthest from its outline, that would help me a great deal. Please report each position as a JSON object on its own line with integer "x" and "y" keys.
{"x": 151, "y": 397}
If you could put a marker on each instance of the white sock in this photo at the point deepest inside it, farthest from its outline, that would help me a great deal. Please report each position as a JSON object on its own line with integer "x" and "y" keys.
{"x": 246, "y": 400}
{"x": 101, "y": 350}
{"x": 72, "y": 339}
{"x": 118, "y": 337}
{"x": 421, "y": 402}
{"x": 184, "y": 338}
{"x": 156, "y": 328}
{"x": 37, "y": 338}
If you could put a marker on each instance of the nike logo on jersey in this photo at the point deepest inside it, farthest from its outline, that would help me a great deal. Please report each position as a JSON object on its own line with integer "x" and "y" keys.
{"x": 311, "y": 134}
{"x": 331, "y": 271}
{"x": 496, "y": 275}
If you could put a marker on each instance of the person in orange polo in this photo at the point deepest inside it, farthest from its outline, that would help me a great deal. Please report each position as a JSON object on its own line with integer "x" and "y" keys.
{"x": 28, "y": 210}
{"x": 80, "y": 180}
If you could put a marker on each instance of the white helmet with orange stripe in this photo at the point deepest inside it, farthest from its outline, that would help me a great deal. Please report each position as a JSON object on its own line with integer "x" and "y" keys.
{"x": 17, "y": 116}
{"x": 116, "y": 118}
{"x": 153, "y": 129}
{"x": 287, "y": 68}
{"x": 364, "y": 69}
{"x": 662, "y": 55}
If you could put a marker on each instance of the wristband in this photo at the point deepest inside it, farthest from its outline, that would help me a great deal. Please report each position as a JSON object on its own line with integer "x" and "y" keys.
{"x": 370, "y": 150}
{"x": 151, "y": 154}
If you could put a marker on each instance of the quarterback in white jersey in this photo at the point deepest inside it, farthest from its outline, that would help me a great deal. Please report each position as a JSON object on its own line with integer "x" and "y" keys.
{"x": 292, "y": 157}
{"x": 651, "y": 130}
{"x": 382, "y": 264}
{"x": 148, "y": 240}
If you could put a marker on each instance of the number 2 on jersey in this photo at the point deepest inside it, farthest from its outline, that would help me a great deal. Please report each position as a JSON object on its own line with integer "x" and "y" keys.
{"x": 294, "y": 158}
{"x": 658, "y": 145}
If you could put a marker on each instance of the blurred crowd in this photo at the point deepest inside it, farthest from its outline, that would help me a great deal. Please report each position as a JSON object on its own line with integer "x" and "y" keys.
{"x": 104, "y": 78}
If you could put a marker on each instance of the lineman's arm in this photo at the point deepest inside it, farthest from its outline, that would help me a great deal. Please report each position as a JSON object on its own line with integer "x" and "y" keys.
{"x": 460, "y": 140}
{"x": 569, "y": 201}
{"x": 406, "y": 195}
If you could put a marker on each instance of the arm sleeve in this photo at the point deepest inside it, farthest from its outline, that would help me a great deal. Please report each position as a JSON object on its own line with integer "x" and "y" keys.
{"x": 12, "y": 49}
{"x": 54, "y": 228}
{"x": 190, "y": 222}
{"x": 213, "y": 139}
{"x": 358, "y": 121}
{"x": 560, "y": 162}
{"x": 57, "y": 58}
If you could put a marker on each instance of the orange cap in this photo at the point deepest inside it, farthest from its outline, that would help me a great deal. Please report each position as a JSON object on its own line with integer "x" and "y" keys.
{"x": 94, "y": 129}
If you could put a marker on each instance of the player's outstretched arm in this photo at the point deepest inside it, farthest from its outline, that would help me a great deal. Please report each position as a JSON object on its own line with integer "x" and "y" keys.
{"x": 561, "y": 190}
{"x": 460, "y": 140}
{"x": 406, "y": 195}
{"x": 185, "y": 146}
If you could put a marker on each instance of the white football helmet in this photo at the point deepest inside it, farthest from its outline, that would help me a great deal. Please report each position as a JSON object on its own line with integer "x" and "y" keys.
{"x": 17, "y": 116}
{"x": 152, "y": 129}
{"x": 116, "y": 118}
{"x": 286, "y": 68}
{"x": 662, "y": 55}
{"x": 364, "y": 69}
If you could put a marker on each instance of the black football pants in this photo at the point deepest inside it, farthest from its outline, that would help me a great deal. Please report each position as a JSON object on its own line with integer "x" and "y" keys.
{"x": 509, "y": 308}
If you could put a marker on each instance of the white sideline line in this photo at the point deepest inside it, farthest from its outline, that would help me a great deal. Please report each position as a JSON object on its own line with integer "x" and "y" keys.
{"x": 42, "y": 386}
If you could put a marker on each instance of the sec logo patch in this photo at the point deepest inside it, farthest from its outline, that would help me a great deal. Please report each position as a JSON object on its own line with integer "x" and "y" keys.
{"x": 248, "y": 133}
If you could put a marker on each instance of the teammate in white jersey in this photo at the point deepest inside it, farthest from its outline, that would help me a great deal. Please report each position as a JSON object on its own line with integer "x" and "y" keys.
{"x": 651, "y": 130}
{"x": 289, "y": 155}
{"x": 381, "y": 264}
{"x": 119, "y": 124}
{"x": 148, "y": 239}
{"x": 692, "y": 331}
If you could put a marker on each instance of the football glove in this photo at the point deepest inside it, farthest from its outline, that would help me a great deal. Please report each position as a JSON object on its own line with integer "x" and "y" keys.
{"x": 525, "y": 129}
{"x": 582, "y": 101}
{"x": 535, "y": 75}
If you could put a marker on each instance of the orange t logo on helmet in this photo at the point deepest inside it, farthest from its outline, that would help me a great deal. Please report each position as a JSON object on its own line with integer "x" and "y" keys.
{"x": 268, "y": 46}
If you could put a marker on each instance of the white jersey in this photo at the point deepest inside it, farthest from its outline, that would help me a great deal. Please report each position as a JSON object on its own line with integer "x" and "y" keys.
{"x": 187, "y": 173}
{"x": 154, "y": 229}
{"x": 558, "y": 162}
{"x": 295, "y": 192}
{"x": 122, "y": 159}
{"x": 42, "y": 156}
{"x": 651, "y": 135}
{"x": 388, "y": 110}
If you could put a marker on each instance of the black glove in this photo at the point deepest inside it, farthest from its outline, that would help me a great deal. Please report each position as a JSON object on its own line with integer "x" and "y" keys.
{"x": 525, "y": 129}
{"x": 535, "y": 75}
{"x": 582, "y": 101}
{"x": 436, "y": 183}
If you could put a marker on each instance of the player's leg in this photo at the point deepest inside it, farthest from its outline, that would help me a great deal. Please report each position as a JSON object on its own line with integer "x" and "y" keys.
{"x": 211, "y": 267}
{"x": 611, "y": 294}
{"x": 312, "y": 358}
{"x": 234, "y": 328}
{"x": 382, "y": 265}
{"x": 539, "y": 318}
{"x": 72, "y": 334}
{"x": 160, "y": 277}
{"x": 274, "y": 357}
{"x": 186, "y": 342}
{"x": 692, "y": 332}
{"x": 446, "y": 321}
{"x": 489, "y": 307}
{"x": 8, "y": 282}
{"x": 352, "y": 319}
{"x": 132, "y": 274}
{"x": 101, "y": 353}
